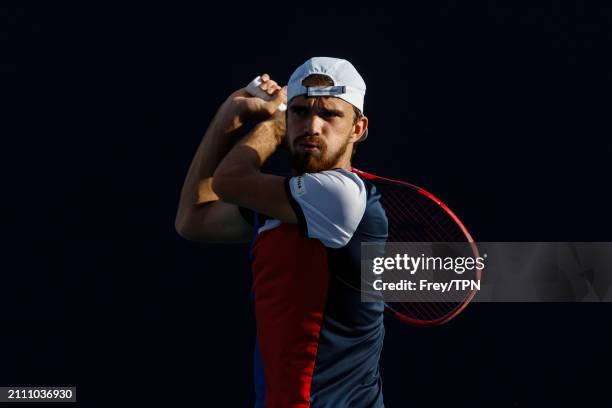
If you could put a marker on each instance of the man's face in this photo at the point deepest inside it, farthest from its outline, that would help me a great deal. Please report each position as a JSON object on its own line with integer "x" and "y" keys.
{"x": 318, "y": 132}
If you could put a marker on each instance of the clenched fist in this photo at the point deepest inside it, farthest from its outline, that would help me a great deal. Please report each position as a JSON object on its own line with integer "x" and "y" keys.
{"x": 240, "y": 106}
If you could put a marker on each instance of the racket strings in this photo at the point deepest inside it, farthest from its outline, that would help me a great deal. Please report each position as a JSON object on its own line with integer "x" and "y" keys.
{"x": 402, "y": 210}
{"x": 425, "y": 309}
{"x": 413, "y": 217}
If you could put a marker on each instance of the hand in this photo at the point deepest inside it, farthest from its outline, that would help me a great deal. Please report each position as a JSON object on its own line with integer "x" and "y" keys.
{"x": 240, "y": 106}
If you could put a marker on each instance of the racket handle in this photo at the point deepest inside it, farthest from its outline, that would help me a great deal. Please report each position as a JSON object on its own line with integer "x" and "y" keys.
{"x": 253, "y": 89}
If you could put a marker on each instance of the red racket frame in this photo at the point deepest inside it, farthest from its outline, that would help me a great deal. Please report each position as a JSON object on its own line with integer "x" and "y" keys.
{"x": 444, "y": 319}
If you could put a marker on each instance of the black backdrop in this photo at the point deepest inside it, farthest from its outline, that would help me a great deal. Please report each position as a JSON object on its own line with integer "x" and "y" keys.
{"x": 500, "y": 109}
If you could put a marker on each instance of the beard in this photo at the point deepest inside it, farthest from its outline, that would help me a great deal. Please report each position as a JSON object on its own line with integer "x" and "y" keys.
{"x": 313, "y": 162}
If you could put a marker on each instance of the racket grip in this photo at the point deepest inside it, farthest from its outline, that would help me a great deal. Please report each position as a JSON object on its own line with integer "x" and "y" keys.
{"x": 253, "y": 89}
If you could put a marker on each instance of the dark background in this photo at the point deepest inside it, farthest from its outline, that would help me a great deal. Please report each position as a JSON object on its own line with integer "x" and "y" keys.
{"x": 502, "y": 110}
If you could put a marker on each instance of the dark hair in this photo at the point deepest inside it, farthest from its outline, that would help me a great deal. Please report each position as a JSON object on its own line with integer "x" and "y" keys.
{"x": 324, "y": 80}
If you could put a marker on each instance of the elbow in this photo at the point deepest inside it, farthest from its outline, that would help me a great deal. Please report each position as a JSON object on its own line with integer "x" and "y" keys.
{"x": 194, "y": 224}
{"x": 186, "y": 226}
{"x": 182, "y": 228}
{"x": 189, "y": 233}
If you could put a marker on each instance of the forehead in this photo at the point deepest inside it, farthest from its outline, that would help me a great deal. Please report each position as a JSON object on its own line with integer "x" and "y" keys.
{"x": 321, "y": 102}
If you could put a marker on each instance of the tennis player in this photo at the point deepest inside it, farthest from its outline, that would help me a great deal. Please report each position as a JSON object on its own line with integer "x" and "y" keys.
{"x": 318, "y": 344}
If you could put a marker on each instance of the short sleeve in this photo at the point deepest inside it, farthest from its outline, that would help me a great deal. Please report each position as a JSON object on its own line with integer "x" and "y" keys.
{"x": 329, "y": 205}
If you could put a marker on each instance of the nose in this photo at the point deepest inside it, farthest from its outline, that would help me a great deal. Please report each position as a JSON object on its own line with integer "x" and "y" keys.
{"x": 313, "y": 125}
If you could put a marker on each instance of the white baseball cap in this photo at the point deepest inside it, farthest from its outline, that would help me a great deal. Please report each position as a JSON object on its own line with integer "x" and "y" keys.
{"x": 348, "y": 84}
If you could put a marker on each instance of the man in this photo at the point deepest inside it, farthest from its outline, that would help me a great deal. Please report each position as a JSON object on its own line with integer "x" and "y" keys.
{"x": 318, "y": 344}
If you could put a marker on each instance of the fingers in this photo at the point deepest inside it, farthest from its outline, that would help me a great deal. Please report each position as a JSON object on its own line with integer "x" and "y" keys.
{"x": 282, "y": 95}
{"x": 279, "y": 95}
{"x": 279, "y": 98}
{"x": 268, "y": 85}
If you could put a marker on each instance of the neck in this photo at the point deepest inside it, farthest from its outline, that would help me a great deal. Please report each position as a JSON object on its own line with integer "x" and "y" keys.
{"x": 347, "y": 166}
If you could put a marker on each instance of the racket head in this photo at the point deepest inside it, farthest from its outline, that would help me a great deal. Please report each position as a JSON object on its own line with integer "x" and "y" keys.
{"x": 416, "y": 215}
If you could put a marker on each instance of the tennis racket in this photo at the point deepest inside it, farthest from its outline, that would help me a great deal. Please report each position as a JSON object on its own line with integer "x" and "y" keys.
{"x": 416, "y": 215}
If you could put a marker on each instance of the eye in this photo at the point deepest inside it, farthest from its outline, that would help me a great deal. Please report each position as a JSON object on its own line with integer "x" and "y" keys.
{"x": 299, "y": 111}
{"x": 327, "y": 115}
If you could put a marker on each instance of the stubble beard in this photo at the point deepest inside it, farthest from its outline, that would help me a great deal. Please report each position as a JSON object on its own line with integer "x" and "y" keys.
{"x": 306, "y": 162}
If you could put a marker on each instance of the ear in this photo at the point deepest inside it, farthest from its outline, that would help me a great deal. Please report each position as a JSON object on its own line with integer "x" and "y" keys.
{"x": 359, "y": 128}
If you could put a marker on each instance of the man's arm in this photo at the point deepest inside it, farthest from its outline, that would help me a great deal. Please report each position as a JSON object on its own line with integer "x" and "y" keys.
{"x": 201, "y": 215}
{"x": 238, "y": 178}
{"x": 326, "y": 205}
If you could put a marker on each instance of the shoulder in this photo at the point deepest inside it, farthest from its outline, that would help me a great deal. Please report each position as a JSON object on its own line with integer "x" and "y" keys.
{"x": 337, "y": 182}
{"x": 330, "y": 204}
{"x": 335, "y": 191}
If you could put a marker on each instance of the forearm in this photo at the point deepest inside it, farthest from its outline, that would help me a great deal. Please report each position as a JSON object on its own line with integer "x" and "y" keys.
{"x": 239, "y": 180}
{"x": 237, "y": 172}
{"x": 197, "y": 188}
{"x": 251, "y": 152}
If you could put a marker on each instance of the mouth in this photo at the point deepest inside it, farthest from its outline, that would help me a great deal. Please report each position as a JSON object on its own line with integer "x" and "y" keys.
{"x": 309, "y": 147}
